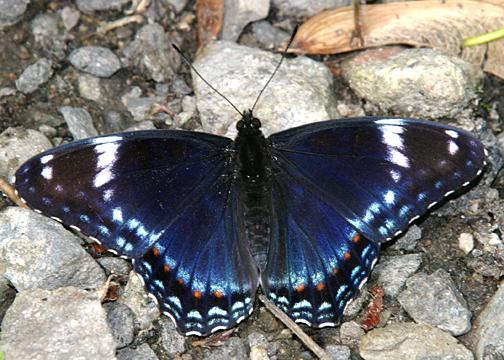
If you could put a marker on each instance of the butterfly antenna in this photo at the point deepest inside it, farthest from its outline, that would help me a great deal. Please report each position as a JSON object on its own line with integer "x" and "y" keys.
{"x": 186, "y": 60}
{"x": 284, "y": 53}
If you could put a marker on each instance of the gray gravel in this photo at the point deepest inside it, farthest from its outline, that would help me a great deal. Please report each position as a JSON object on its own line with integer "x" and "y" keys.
{"x": 95, "y": 60}
{"x": 7, "y": 296}
{"x": 115, "y": 265}
{"x": 238, "y": 14}
{"x": 141, "y": 352}
{"x": 18, "y": 145}
{"x": 34, "y": 76}
{"x": 37, "y": 252}
{"x": 409, "y": 240}
{"x": 393, "y": 271}
{"x": 338, "y": 352}
{"x": 79, "y": 122}
{"x": 435, "y": 300}
{"x": 422, "y": 83}
{"x": 151, "y": 53}
{"x": 299, "y": 94}
{"x": 47, "y": 324}
{"x": 11, "y": 11}
{"x": 235, "y": 348}
{"x": 121, "y": 322}
{"x": 171, "y": 340}
{"x": 299, "y": 8}
{"x": 143, "y": 307}
{"x": 70, "y": 17}
{"x": 411, "y": 341}
{"x": 89, "y": 6}
{"x": 489, "y": 342}
{"x": 269, "y": 36}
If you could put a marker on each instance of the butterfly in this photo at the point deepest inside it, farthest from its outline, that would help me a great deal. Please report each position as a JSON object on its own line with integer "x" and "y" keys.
{"x": 207, "y": 220}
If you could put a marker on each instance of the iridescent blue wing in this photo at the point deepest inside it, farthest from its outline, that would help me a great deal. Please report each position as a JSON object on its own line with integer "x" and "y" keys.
{"x": 165, "y": 199}
{"x": 339, "y": 189}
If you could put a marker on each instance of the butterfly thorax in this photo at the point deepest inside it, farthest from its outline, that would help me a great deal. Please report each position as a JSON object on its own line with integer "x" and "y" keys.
{"x": 251, "y": 149}
{"x": 252, "y": 159}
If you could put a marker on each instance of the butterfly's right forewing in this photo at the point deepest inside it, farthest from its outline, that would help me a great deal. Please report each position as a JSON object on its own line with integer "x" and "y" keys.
{"x": 168, "y": 200}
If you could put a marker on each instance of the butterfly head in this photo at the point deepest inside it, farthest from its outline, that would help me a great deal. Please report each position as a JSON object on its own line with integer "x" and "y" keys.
{"x": 248, "y": 125}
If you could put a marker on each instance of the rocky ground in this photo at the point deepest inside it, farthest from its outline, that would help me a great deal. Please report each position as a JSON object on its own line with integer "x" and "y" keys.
{"x": 63, "y": 77}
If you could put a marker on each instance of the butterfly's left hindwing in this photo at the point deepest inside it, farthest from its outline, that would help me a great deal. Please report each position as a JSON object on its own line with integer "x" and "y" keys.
{"x": 341, "y": 187}
{"x": 317, "y": 261}
{"x": 167, "y": 199}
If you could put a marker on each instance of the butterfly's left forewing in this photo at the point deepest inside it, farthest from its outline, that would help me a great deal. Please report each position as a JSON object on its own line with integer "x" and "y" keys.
{"x": 167, "y": 199}
{"x": 341, "y": 187}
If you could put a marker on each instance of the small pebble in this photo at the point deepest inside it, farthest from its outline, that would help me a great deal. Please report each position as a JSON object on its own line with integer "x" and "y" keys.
{"x": 34, "y": 76}
{"x": 18, "y": 145}
{"x": 422, "y": 83}
{"x": 70, "y": 17}
{"x": 177, "y": 5}
{"x": 95, "y": 60}
{"x": 90, "y": 6}
{"x": 171, "y": 340}
{"x": 152, "y": 54}
{"x": 269, "y": 36}
{"x": 338, "y": 352}
{"x": 52, "y": 324}
{"x": 141, "y": 352}
{"x": 400, "y": 341}
{"x": 11, "y": 11}
{"x": 466, "y": 242}
{"x": 487, "y": 334}
{"x": 435, "y": 300}
{"x": 237, "y": 14}
{"x": 79, "y": 122}
{"x": 304, "y": 8}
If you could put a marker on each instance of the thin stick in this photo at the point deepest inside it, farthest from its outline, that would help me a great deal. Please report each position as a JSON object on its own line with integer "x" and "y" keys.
{"x": 276, "y": 69}
{"x": 9, "y": 191}
{"x": 186, "y": 60}
{"x": 305, "y": 339}
{"x": 108, "y": 26}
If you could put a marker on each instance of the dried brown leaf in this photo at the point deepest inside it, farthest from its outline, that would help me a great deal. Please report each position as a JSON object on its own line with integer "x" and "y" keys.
{"x": 209, "y": 15}
{"x": 438, "y": 24}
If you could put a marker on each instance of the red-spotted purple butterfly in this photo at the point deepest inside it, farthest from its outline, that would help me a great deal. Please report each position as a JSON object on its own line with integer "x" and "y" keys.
{"x": 206, "y": 220}
{"x": 190, "y": 208}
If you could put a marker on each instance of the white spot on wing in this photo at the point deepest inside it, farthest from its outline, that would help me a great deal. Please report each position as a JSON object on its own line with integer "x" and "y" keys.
{"x": 117, "y": 215}
{"x": 47, "y": 172}
{"x": 303, "y": 321}
{"x": 106, "y": 139}
{"x": 451, "y": 133}
{"x": 103, "y": 177}
{"x": 452, "y": 147}
{"x": 391, "y": 136}
{"x": 389, "y": 197}
{"x": 107, "y": 154}
{"x": 45, "y": 159}
{"x": 398, "y": 158}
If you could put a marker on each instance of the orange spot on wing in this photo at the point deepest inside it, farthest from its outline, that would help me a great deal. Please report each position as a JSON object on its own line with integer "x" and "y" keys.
{"x": 218, "y": 294}
{"x": 197, "y": 294}
{"x": 356, "y": 238}
{"x": 347, "y": 256}
{"x": 300, "y": 288}
{"x": 335, "y": 271}
{"x": 180, "y": 281}
{"x": 166, "y": 268}
{"x": 320, "y": 286}
{"x": 155, "y": 251}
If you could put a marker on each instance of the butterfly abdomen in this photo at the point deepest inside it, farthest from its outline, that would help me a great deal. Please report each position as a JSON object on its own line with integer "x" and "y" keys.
{"x": 254, "y": 181}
